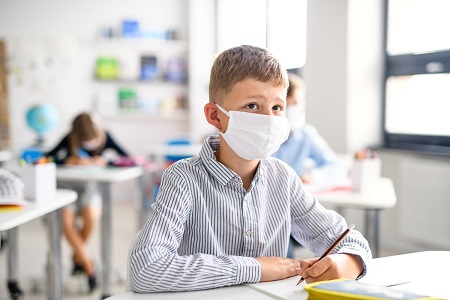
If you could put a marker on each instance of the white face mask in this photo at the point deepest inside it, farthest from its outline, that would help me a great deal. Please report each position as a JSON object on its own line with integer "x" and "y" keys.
{"x": 254, "y": 136}
{"x": 91, "y": 144}
{"x": 295, "y": 113}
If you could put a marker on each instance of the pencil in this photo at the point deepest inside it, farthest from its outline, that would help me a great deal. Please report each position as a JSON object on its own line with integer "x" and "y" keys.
{"x": 328, "y": 251}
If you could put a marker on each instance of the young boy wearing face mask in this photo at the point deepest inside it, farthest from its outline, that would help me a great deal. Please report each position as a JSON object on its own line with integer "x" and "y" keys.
{"x": 84, "y": 145}
{"x": 304, "y": 144}
{"x": 225, "y": 217}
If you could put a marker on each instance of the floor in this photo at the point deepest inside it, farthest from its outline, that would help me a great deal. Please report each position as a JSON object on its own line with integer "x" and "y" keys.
{"x": 33, "y": 239}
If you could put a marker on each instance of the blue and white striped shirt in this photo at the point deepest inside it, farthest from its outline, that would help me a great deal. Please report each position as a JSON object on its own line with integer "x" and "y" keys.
{"x": 205, "y": 229}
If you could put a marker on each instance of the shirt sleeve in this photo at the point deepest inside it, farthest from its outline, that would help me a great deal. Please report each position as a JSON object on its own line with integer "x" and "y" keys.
{"x": 61, "y": 151}
{"x": 316, "y": 227}
{"x": 155, "y": 263}
{"x": 112, "y": 144}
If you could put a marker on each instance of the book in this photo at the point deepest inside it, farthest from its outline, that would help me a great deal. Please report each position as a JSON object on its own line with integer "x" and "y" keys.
{"x": 346, "y": 289}
{"x": 11, "y": 204}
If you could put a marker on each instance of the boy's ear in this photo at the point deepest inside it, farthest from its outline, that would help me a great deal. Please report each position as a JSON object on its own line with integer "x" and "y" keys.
{"x": 211, "y": 114}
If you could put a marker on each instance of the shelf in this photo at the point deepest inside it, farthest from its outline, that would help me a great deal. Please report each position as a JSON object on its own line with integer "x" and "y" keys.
{"x": 177, "y": 116}
{"x": 140, "y": 44}
{"x": 156, "y": 82}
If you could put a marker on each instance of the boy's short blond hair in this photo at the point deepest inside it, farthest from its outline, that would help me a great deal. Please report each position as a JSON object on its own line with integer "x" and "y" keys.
{"x": 240, "y": 63}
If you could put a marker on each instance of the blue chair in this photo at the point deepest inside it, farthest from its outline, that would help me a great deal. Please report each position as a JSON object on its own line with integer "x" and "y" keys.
{"x": 171, "y": 158}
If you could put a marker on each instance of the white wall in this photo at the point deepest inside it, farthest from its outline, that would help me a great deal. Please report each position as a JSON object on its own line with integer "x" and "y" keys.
{"x": 343, "y": 71}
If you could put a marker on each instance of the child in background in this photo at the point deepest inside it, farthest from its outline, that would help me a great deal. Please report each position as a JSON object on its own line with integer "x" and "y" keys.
{"x": 84, "y": 145}
{"x": 305, "y": 150}
{"x": 304, "y": 144}
{"x": 224, "y": 218}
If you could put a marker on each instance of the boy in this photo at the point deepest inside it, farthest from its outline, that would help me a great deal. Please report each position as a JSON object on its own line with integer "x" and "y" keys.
{"x": 224, "y": 218}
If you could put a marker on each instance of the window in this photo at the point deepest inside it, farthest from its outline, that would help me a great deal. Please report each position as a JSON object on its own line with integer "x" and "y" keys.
{"x": 417, "y": 89}
{"x": 278, "y": 25}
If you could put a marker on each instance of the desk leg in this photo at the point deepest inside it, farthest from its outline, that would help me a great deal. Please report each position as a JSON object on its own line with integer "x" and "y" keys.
{"x": 13, "y": 266}
{"x": 372, "y": 230}
{"x": 106, "y": 241}
{"x": 143, "y": 212}
{"x": 55, "y": 286}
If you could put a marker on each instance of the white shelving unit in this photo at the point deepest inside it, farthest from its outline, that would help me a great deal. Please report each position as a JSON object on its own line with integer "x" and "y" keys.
{"x": 156, "y": 98}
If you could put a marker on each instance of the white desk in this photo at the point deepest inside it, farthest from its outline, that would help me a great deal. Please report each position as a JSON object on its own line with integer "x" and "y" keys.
{"x": 5, "y": 156}
{"x": 380, "y": 196}
{"x": 426, "y": 273}
{"x": 11, "y": 220}
{"x": 105, "y": 177}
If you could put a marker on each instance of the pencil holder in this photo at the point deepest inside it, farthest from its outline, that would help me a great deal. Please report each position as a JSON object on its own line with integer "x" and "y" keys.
{"x": 364, "y": 173}
{"x": 39, "y": 181}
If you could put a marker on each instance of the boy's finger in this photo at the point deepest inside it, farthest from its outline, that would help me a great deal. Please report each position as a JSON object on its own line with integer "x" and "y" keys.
{"x": 319, "y": 268}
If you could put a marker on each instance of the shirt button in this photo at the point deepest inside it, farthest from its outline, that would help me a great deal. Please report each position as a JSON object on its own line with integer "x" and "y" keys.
{"x": 249, "y": 232}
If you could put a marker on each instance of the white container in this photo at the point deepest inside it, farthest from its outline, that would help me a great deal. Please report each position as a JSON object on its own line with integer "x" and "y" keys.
{"x": 39, "y": 181}
{"x": 364, "y": 173}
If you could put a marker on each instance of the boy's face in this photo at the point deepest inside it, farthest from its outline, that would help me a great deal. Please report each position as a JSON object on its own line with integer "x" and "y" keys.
{"x": 255, "y": 96}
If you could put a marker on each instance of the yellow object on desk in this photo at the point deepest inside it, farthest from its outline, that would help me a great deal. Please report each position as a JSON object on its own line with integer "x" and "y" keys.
{"x": 10, "y": 208}
{"x": 346, "y": 289}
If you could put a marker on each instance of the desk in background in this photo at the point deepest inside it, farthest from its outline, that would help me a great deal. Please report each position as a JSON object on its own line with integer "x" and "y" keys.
{"x": 412, "y": 268}
{"x": 11, "y": 220}
{"x": 5, "y": 156}
{"x": 381, "y": 195}
{"x": 105, "y": 177}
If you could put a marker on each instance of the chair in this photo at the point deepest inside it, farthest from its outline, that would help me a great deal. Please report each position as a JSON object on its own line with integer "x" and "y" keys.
{"x": 128, "y": 287}
{"x": 178, "y": 149}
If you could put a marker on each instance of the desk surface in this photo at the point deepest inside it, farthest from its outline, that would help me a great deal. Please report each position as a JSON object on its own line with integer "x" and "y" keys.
{"x": 5, "y": 155}
{"x": 98, "y": 174}
{"x": 380, "y": 196}
{"x": 35, "y": 210}
{"x": 425, "y": 273}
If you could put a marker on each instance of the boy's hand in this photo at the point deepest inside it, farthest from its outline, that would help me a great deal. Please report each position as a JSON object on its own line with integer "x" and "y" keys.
{"x": 275, "y": 268}
{"x": 333, "y": 266}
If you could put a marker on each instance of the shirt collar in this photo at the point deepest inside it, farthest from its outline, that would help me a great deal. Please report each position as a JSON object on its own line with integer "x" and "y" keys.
{"x": 219, "y": 171}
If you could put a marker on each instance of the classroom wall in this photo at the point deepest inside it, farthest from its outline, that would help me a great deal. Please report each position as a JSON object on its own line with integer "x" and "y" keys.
{"x": 343, "y": 72}
{"x": 65, "y": 32}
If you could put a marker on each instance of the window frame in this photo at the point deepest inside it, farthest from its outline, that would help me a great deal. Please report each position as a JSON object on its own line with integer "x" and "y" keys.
{"x": 435, "y": 62}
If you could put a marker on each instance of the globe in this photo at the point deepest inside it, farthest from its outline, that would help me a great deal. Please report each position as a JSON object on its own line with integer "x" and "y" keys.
{"x": 42, "y": 118}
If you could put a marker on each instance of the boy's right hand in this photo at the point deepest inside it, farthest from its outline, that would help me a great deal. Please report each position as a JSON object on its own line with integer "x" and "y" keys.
{"x": 276, "y": 268}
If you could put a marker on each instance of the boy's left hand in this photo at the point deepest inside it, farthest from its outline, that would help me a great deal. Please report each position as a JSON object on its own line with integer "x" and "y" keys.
{"x": 333, "y": 266}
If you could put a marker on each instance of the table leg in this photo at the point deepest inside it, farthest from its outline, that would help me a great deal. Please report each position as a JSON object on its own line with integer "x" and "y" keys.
{"x": 55, "y": 285}
{"x": 340, "y": 210}
{"x": 373, "y": 230}
{"x": 13, "y": 270}
{"x": 143, "y": 212}
{"x": 106, "y": 241}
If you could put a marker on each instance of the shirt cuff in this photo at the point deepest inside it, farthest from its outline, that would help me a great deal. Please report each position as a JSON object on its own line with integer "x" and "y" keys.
{"x": 362, "y": 254}
{"x": 248, "y": 270}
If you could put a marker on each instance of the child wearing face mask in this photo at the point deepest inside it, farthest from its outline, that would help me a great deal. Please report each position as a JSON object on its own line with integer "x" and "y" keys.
{"x": 225, "y": 217}
{"x": 304, "y": 145}
{"x": 84, "y": 145}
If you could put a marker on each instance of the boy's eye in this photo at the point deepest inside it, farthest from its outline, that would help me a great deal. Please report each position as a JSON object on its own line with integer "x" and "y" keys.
{"x": 277, "y": 108}
{"x": 251, "y": 106}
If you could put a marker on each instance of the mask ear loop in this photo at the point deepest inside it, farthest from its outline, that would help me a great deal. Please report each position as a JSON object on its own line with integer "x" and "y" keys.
{"x": 223, "y": 110}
